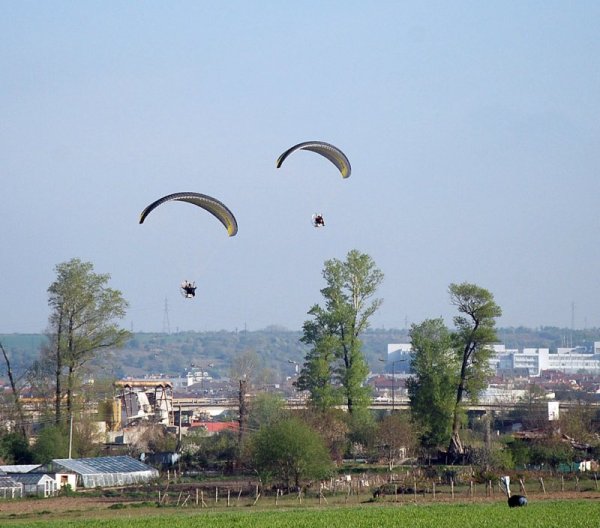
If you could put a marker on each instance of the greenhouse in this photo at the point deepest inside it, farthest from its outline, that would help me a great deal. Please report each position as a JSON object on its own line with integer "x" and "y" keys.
{"x": 9, "y": 488}
{"x": 105, "y": 471}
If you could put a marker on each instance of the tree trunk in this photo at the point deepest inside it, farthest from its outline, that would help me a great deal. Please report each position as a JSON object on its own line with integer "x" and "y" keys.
{"x": 13, "y": 387}
{"x": 456, "y": 448}
{"x": 58, "y": 371}
{"x": 243, "y": 411}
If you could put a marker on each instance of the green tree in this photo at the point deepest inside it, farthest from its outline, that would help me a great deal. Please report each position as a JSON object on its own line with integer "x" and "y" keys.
{"x": 335, "y": 367}
{"x": 265, "y": 409}
{"x": 475, "y": 333}
{"x": 432, "y": 385}
{"x": 289, "y": 452}
{"x": 52, "y": 442}
{"x": 82, "y": 321}
{"x": 14, "y": 449}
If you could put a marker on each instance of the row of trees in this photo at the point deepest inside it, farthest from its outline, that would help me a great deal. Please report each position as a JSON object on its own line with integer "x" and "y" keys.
{"x": 448, "y": 366}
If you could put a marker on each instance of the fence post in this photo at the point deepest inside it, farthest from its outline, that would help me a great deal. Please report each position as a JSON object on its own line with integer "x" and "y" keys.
{"x": 452, "y": 487}
{"x": 471, "y": 488}
{"x": 562, "y": 483}
{"x": 433, "y": 490}
{"x": 542, "y": 484}
{"x": 415, "y": 486}
{"x": 522, "y": 484}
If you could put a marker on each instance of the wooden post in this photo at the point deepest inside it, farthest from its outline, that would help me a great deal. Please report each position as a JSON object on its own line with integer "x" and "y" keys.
{"x": 185, "y": 501}
{"x": 452, "y": 488}
{"x": 542, "y": 484}
{"x": 321, "y": 496}
{"x": 576, "y": 483}
{"x": 562, "y": 483}
{"x": 596, "y": 481}
{"x": 239, "y": 495}
{"x": 522, "y": 485}
{"x": 197, "y": 496}
{"x": 415, "y": 487}
{"x": 277, "y": 498}
{"x": 216, "y": 494}
{"x": 158, "y": 496}
{"x": 471, "y": 488}
{"x": 433, "y": 490}
{"x": 228, "y": 497}
{"x": 396, "y": 492}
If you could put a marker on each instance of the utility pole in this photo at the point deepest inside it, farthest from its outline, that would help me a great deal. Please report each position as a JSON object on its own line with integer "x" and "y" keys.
{"x": 166, "y": 325}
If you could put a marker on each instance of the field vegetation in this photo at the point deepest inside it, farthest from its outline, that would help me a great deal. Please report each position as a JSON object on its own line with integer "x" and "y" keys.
{"x": 546, "y": 514}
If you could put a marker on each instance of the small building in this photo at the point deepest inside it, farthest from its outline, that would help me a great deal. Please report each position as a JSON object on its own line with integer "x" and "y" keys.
{"x": 36, "y": 484}
{"x": 104, "y": 471}
{"x": 212, "y": 428}
{"x": 10, "y": 488}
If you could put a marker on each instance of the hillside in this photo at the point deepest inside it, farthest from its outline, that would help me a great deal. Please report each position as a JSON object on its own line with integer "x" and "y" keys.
{"x": 275, "y": 348}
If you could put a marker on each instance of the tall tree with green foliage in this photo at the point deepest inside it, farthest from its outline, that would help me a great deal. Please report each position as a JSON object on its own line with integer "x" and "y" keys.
{"x": 473, "y": 338}
{"x": 82, "y": 322}
{"x": 432, "y": 385}
{"x": 335, "y": 368}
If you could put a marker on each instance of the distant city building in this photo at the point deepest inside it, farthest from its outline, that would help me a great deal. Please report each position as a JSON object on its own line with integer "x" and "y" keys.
{"x": 533, "y": 361}
{"x": 399, "y": 357}
{"x": 529, "y": 362}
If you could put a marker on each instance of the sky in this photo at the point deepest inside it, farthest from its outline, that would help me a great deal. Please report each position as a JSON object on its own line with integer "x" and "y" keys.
{"x": 472, "y": 128}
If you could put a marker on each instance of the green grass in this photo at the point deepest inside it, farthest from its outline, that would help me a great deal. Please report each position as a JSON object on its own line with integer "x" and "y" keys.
{"x": 546, "y": 514}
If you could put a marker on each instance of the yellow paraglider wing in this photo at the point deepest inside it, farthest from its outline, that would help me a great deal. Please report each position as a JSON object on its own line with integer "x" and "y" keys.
{"x": 212, "y": 205}
{"x": 331, "y": 152}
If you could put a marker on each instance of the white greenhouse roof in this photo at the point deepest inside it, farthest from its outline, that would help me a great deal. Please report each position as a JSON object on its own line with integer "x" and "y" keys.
{"x": 95, "y": 466}
{"x": 106, "y": 471}
{"x": 19, "y": 468}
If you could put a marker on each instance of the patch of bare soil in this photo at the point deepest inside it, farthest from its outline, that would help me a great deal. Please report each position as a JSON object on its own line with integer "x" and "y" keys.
{"x": 24, "y": 507}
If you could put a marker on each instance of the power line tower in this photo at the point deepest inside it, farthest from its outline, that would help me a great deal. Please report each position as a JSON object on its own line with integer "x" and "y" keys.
{"x": 166, "y": 325}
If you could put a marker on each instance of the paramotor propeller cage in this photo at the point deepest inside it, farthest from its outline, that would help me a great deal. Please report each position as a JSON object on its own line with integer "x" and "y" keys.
{"x": 318, "y": 220}
{"x": 188, "y": 289}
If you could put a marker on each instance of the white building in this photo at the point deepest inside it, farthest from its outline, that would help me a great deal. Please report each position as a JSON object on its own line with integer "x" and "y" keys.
{"x": 536, "y": 360}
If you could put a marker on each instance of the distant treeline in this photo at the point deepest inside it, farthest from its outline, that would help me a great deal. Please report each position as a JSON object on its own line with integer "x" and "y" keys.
{"x": 276, "y": 349}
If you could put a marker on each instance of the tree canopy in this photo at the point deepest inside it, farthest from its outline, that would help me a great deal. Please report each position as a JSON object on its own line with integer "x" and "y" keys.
{"x": 83, "y": 321}
{"x": 289, "y": 452}
{"x": 335, "y": 368}
{"x": 475, "y": 333}
{"x": 432, "y": 385}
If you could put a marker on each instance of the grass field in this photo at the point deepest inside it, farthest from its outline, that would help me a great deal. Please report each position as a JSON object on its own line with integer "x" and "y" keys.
{"x": 545, "y": 514}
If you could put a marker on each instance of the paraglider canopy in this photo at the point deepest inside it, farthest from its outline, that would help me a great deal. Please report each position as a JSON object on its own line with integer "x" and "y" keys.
{"x": 212, "y": 205}
{"x": 331, "y": 152}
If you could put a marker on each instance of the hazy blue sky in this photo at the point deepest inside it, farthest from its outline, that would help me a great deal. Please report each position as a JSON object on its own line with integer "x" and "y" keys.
{"x": 472, "y": 127}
